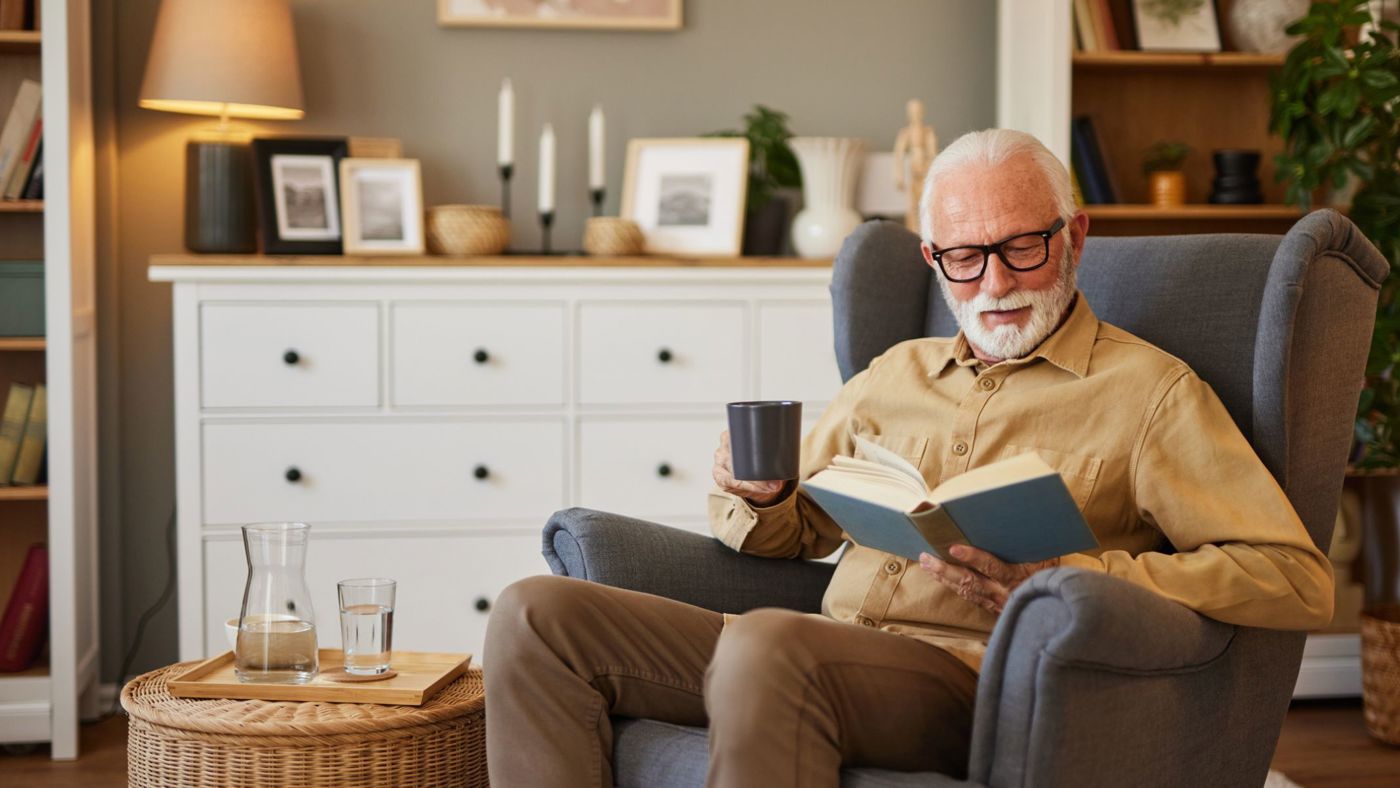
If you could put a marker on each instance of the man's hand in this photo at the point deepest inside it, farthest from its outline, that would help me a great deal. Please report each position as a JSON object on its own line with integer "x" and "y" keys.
{"x": 756, "y": 493}
{"x": 985, "y": 580}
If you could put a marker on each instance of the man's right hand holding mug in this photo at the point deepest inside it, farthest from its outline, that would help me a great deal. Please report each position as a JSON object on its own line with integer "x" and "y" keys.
{"x": 756, "y": 493}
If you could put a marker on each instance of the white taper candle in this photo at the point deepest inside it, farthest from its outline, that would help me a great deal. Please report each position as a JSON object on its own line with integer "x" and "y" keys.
{"x": 595, "y": 148}
{"x": 505, "y": 125}
{"x": 547, "y": 169}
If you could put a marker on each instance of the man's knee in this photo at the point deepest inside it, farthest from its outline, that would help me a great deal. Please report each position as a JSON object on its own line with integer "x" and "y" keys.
{"x": 520, "y": 611}
{"x": 759, "y": 651}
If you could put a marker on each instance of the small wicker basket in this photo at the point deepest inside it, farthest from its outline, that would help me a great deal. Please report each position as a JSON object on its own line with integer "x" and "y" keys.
{"x": 463, "y": 230}
{"x": 184, "y": 742}
{"x": 609, "y": 236}
{"x": 1380, "y": 671}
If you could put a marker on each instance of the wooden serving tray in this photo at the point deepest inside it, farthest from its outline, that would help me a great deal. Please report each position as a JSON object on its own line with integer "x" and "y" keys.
{"x": 420, "y": 675}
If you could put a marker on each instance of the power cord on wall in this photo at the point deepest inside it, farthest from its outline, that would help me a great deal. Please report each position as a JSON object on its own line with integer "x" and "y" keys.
{"x": 165, "y": 594}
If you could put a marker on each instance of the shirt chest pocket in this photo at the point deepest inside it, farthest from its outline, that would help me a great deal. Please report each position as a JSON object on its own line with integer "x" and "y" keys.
{"x": 1080, "y": 471}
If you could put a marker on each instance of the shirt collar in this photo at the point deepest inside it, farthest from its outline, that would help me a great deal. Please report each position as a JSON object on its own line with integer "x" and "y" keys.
{"x": 1068, "y": 347}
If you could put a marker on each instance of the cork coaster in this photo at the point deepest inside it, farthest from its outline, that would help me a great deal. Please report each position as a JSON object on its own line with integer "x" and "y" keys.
{"x": 339, "y": 674}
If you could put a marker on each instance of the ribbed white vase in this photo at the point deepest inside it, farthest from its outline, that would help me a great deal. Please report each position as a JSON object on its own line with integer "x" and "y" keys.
{"x": 830, "y": 168}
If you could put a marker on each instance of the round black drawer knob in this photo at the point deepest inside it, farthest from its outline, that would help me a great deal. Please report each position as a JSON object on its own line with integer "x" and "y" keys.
{"x": 664, "y": 355}
{"x": 481, "y": 356}
{"x": 663, "y": 470}
{"x": 482, "y": 604}
{"x": 291, "y": 358}
{"x": 481, "y": 472}
{"x": 293, "y": 475}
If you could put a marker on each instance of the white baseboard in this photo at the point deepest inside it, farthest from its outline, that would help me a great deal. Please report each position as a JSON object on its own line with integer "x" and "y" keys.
{"x": 1331, "y": 667}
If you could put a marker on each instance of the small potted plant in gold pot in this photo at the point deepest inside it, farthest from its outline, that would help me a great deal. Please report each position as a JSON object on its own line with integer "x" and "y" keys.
{"x": 1166, "y": 183}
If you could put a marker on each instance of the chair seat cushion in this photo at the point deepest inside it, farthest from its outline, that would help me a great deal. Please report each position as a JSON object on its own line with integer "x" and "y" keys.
{"x": 651, "y": 754}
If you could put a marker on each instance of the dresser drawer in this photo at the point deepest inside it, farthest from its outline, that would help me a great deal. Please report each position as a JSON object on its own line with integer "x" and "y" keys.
{"x": 289, "y": 355}
{"x": 662, "y": 353}
{"x": 651, "y": 468}
{"x": 383, "y": 471}
{"x": 796, "y": 352}
{"x": 442, "y": 580}
{"x": 477, "y": 354}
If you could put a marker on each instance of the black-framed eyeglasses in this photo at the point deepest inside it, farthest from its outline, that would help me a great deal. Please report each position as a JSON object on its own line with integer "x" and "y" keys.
{"x": 1024, "y": 252}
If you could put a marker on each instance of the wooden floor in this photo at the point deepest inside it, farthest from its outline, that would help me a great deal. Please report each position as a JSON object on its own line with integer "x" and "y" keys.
{"x": 1324, "y": 745}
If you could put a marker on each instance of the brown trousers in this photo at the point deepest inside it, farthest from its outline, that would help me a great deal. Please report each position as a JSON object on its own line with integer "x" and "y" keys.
{"x": 789, "y": 698}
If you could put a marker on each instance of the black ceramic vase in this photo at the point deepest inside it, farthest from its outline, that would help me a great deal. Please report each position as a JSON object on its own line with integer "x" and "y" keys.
{"x": 1236, "y": 178}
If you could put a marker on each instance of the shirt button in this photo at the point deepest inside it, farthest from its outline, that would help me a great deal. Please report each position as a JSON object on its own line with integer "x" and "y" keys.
{"x": 960, "y": 448}
{"x": 987, "y": 384}
{"x": 892, "y": 567}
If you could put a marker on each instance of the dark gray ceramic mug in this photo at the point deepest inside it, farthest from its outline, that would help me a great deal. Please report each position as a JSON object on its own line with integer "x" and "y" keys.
{"x": 765, "y": 439}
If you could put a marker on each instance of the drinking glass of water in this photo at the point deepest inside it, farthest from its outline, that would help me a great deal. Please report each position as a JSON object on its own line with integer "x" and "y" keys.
{"x": 367, "y": 624}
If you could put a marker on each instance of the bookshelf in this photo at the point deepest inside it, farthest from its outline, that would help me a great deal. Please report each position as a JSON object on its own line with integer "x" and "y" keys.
{"x": 1207, "y": 100}
{"x": 42, "y": 703}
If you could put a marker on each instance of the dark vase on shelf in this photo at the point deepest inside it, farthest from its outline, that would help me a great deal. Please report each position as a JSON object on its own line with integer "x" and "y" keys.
{"x": 1236, "y": 178}
{"x": 765, "y": 230}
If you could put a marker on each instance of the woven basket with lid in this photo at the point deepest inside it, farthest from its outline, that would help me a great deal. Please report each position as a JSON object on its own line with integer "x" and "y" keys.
{"x": 1380, "y": 671}
{"x": 178, "y": 742}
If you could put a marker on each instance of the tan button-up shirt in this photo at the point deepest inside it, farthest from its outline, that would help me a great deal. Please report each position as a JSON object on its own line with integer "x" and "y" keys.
{"x": 1146, "y": 448}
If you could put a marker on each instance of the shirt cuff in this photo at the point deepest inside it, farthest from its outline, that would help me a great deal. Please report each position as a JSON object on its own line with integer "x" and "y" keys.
{"x": 732, "y": 518}
{"x": 1082, "y": 561}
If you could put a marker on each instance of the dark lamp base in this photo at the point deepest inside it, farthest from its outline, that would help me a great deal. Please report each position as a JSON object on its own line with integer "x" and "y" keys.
{"x": 219, "y": 211}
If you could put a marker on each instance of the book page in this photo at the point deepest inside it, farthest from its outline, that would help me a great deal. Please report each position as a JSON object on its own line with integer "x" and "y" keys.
{"x": 868, "y": 481}
{"x": 989, "y": 477}
{"x": 877, "y": 453}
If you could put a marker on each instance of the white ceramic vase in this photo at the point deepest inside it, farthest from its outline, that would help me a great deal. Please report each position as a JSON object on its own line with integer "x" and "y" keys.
{"x": 830, "y": 168}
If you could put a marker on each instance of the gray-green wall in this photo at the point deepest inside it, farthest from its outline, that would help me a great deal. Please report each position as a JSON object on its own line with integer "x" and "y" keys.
{"x": 384, "y": 68}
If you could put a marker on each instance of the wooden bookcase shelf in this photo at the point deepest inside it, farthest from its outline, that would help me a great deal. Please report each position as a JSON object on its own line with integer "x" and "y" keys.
{"x": 24, "y": 344}
{"x": 21, "y": 206}
{"x": 1191, "y": 212}
{"x": 1192, "y": 60}
{"x": 20, "y": 42}
{"x": 27, "y": 493}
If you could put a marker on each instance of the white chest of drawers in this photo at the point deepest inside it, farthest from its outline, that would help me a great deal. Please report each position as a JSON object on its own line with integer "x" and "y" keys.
{"x": 426, "y": 421}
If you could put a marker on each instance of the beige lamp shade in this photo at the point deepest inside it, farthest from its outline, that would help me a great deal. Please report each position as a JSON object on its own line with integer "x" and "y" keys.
{"x": 224, "y": 57}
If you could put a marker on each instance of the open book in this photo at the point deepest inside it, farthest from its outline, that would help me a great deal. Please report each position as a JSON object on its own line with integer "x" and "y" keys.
{"x": 1017, "y": 509}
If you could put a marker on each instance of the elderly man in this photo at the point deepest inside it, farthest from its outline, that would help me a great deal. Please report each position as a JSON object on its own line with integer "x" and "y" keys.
{"x": 887, "y": 676}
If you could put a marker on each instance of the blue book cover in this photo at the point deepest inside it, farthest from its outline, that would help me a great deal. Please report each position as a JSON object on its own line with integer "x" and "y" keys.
{"x": 1017, "y": 509}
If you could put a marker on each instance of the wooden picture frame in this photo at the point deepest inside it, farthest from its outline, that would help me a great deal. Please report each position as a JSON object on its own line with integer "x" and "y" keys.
{"x": 656, "y": 15}
{"x": 381, "y": 201}
{"x": 298, "y": 190}
{"x": 1176, "y": 25}
{"x": 687, "y": 194}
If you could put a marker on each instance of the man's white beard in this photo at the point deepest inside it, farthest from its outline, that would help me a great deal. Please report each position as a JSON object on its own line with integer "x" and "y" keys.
{"x": 1009, "y": 341}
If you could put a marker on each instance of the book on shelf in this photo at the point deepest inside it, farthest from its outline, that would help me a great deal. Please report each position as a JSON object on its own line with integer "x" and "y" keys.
{"x": 1084, "y": 27}
{"x": 17, "y": 128}
{"x": 34, "y": 186}
{"x": 25, "y": 165}
{"x": 1086, "y": 155}
{"x": 30, "y": 458}
{"x": 12, "y": 421}
{"x": 1017, "y": 509}
{"x": 1103, "y": 25}
{"x": 26, "y": 619}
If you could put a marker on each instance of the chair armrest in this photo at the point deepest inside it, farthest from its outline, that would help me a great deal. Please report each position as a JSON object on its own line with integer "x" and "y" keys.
{"x": 682, "y": 565}
{"x": 1076, "y": 657}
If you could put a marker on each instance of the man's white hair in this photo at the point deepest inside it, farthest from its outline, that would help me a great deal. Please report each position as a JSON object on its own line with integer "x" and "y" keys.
{"x": 989, "y": 148}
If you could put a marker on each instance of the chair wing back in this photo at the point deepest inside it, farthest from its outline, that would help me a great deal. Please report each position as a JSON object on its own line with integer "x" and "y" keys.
{"x": 1279, "y": 326}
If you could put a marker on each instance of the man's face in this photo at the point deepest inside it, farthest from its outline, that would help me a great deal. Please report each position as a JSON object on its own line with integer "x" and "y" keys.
{"x": 1006, "y": 313}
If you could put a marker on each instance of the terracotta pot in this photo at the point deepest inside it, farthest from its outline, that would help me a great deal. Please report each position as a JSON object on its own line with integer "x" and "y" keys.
{"x": 1168, "y": 188}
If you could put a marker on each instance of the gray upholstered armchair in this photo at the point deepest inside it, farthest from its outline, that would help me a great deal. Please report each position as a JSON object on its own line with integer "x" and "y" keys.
{"x": 1088, "y": 680}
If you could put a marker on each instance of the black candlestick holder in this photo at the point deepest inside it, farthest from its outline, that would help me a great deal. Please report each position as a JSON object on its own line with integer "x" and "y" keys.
{"x": 597, "y": 197}
{"x": 546, "y": 223}
{"x": 506, "y": 171}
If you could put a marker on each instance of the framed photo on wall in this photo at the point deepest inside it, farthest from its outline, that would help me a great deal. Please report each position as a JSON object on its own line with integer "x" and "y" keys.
{"x": 584, "y": 14}
{"x": 1176, "y": 25}
{"x": 687, "y": 194}
{"x": 299, "y": 194}
{"x": 382, "y": 202}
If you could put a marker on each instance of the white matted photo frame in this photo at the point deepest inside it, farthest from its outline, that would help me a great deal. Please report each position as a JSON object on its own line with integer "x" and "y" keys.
{"x": 381, "y": 201}
{"x": 687, "y": 194}
{"x": 1176, "y": 25}
{"x": 579, "y": 14}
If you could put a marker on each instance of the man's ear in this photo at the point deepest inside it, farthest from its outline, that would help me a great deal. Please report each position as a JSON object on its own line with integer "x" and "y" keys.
{"x": 928, "y": 254}
{"x": 1078, "y": 231}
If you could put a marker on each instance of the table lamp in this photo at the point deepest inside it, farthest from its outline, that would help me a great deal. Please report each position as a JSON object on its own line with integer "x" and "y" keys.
{"x": 230, "y": 60}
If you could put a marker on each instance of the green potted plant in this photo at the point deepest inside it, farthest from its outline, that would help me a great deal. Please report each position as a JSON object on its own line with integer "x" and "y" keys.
{"x": 772, "y": 171}
{"x": 1161, "y": 163}
{"x": 1336, "y": 104}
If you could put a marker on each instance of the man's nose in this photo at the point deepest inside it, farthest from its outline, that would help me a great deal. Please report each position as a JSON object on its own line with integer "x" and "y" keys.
{"x": 998, "y": 280}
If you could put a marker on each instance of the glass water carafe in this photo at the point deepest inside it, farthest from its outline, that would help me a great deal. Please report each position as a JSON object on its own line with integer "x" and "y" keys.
{"x": 276, "y": 628}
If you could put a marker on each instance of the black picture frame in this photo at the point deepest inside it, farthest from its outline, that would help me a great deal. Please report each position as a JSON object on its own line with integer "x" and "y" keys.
{"x": 264, "y": 149}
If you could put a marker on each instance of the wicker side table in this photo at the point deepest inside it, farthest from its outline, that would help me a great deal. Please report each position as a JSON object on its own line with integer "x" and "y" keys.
{"x": 193, "y": 743}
